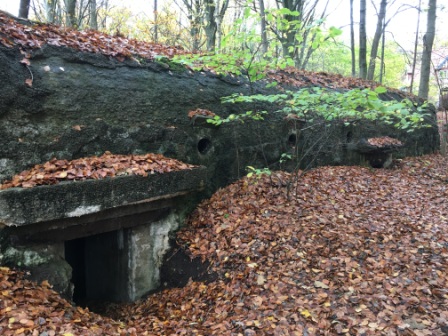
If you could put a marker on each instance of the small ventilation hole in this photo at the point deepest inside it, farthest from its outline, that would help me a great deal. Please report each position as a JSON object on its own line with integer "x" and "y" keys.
{"x": 204, "y": 145}
{"x": 292, "y": 139}
{"x": 349, "y": 137}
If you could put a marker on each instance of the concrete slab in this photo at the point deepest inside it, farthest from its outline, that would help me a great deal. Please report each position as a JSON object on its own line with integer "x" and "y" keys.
{"x": 71, "y": 200}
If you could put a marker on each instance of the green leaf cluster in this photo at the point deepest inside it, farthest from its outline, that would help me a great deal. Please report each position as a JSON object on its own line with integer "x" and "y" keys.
{"x": 347, "y": 106}
{"x": 217, "y": 120}
{"x": 258, "y": 172}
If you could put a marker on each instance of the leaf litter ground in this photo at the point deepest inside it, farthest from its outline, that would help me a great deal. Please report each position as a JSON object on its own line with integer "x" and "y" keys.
{"x": 351, "y": 251}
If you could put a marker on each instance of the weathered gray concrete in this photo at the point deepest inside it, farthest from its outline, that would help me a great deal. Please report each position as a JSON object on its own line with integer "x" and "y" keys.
{"x": 21, "y": 207}
{"x": 141, "y": 107}
{"x": 148, "y": 245}
{"x": 43, "y": 262}
{"x": 124, "y": 265}
{"x": 125, "y": 223}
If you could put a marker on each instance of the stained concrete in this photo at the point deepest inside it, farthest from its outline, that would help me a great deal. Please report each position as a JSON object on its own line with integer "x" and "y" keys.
{"x": 122, "y": 226}
{"x": 22, "y": 207}
{"x": 97, "y": 104}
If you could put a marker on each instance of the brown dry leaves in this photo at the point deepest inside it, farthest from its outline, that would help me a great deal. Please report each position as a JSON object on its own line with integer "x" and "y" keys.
{"x": 107, "y": 165}
{"x": 30, "y": 309}
{"x": 302, "y": 78}
{"x": 354, "y": 251}
{"x": 384, "y": 142}
{"x": 200, "y": 112}
{"x": 13, "y": 33}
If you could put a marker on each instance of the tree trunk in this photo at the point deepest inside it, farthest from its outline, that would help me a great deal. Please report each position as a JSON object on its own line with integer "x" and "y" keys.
{"x": 297, "y": 40}
{"x": 214, "y": 15}
{"x": 362, "y": 40}
{"x": 414, "y": 60}
{"x": 288, "y": 37}
{"x": 310, "y": 37}
{"x": 352, "y": 40}
{"x": 194, "y": 11}
{"x": 428, "y": 40}
{"x": 383, "y": 46}
{"x": 376, "y": 40}
{"x": 210, "y": 26}
{"x": 218, "y": 19}
{"x": 93, "y": 15}
{"x": 50, "y": 10}
{"x": 156, "y": 24}
{"x": 195, "y": 29}
{"x": 195, "y": 23}
{"x": 206, "y": 15}
{"x": 219, "y": 15}
{"x": 264, "y": 35}
{"x": 24, "y": 8}
{"x": 70, "y": 16}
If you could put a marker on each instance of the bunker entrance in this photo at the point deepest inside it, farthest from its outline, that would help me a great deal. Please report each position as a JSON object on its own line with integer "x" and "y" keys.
{"x": 120, "y": 265}
{"x": 106, "y": 237}
{"x": 99, "y": 267}
{"x": 74, "y": 255}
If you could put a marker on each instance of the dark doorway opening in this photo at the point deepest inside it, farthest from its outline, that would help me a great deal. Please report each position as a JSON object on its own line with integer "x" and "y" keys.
{"x": 99, "y": 267}
{"x": 75, "y": 256}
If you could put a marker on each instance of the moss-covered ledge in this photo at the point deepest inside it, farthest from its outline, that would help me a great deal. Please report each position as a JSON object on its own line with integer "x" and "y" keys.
{"x": 22, "y": 207}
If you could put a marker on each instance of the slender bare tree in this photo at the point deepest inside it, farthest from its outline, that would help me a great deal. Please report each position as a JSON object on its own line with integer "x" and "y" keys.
{"x": 24, "y": 8}
{"x": 352, "y": 40}
{"x": 194, "y": 14}
{"x": 383, "y": 46}
{"x": 205, "y": 16}
{"x": 376, "y": 39}
{"x": 428, "y": 41}
{"x": 362, "y": 40}
{"x": 156, "y": 23}
{"x": 297, "y": 43}
{"x": 93, "y": 15}
{"x": 214, "y": 14}
{"x": 50, "y": 10}
{"x": 219, "y": 16}
{"x": 414, "y": 59}
{"x": 263, "y": 28}
{"x": 70, "y": 13}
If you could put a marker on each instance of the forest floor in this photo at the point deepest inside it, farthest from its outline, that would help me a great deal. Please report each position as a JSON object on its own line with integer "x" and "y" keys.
{"x": 333, "y": 251}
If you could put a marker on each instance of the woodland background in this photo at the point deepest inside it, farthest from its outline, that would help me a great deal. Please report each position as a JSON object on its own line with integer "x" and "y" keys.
{"x": 377, "y": 39}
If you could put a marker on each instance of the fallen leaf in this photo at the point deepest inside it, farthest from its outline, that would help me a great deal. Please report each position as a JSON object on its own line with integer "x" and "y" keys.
{"x": 319, "y": 284}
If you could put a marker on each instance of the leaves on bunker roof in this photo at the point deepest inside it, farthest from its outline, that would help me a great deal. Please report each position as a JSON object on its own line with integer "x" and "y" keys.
{"x": 106, "y": 165}
{"x": 36, "y": 35}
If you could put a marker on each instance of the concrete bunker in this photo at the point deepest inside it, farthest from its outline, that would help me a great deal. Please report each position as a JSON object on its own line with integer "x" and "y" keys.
{"x": 110, "y": 236}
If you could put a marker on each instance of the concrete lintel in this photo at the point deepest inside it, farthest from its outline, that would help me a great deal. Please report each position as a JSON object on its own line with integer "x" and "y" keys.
{"x": 22, "y": 207}
{"x": 103, "y": 221}
{"x": 40, "y": 233}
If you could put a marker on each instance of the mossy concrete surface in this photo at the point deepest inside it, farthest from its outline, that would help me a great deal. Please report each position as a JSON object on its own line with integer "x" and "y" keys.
{"x": 21, "y": 207}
